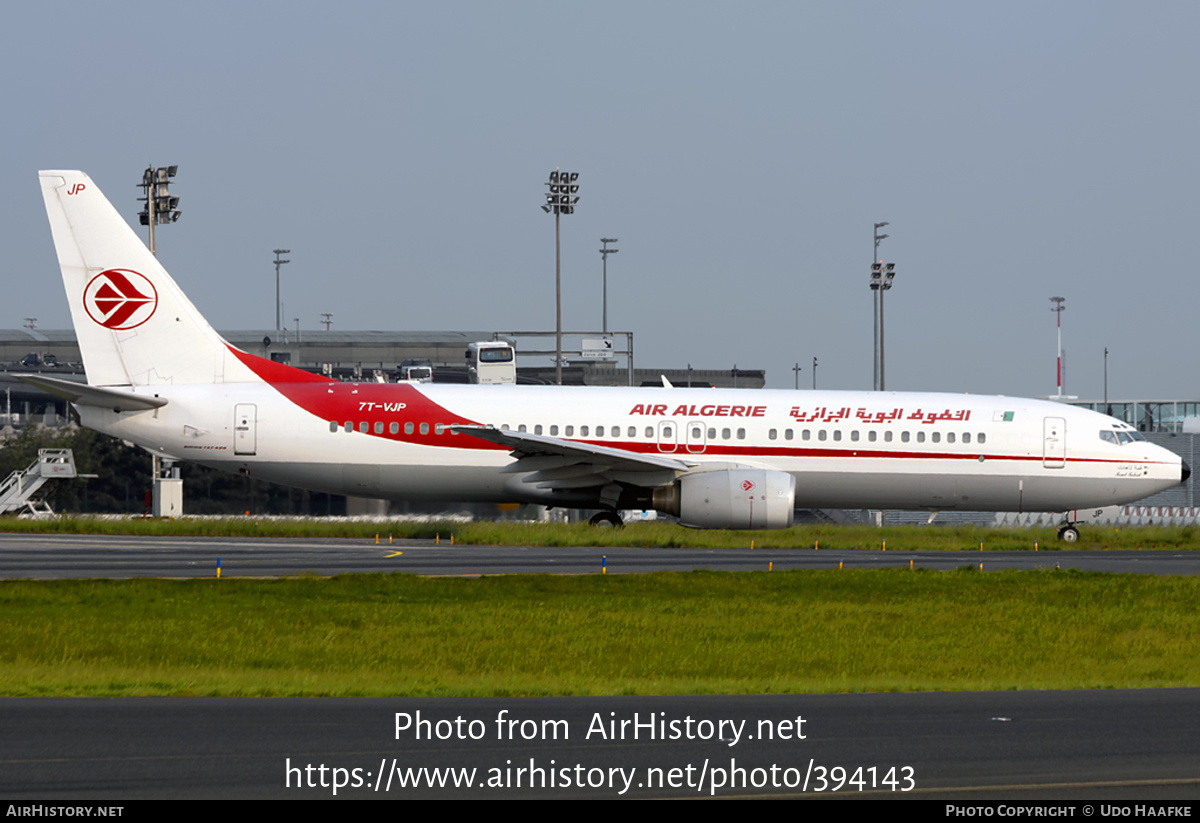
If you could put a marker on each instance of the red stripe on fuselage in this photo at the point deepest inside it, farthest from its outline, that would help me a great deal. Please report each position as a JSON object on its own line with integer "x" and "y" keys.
{"x": 371, "y": 403}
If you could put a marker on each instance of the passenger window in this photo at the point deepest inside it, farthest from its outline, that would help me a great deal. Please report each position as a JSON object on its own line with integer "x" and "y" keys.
{"x": 424, "y": 428}
{"x": 822, "y": 434}
{"x": 379, "y": 427}
{"x": 920, "y": 437}
{"x": 408, "y": 428}
{"x": 521, "y": 428}
{"x": 348, "y": 426}
{"x": 537, "y": 429}
{"x": 394, "y": 428}
{"x": 966, "y": 437}
{"x": 570, "y": 431}
{"x": 936, "y": 437}
{"x": 771, "y": 434}
{"x": 854, "y": 435}
{"x": 633, "y": 431}
{"x": 333, "y": 426}
{"x": 887, "y": 437}
{"x": 439, "y": 428}
{"x": 725, "y": 434}
{"x": 950, "y": 437}
{"x": 554, "y": 431}
{"x": 712, "y": 434}
{"x": 904, "y": 437}
{"x": 787, "y": 434}
{"x": 363, "y": 426}
{"x": 650, "y": 432}
{"x": 599, "y": 431}
{"x": 982, "y": 438}
{"x": 583, "y": 431}
{"x": 872, "y": 435}
{"x": 805, "y": 435}
{"x": 837, "y": 435}
{"x": 741, "y": 434}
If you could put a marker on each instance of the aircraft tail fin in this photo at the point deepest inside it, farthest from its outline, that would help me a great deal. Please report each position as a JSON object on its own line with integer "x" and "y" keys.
{"x": 135, "y": 327}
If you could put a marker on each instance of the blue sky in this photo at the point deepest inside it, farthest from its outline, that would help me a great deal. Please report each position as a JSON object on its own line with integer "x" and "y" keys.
{"x": 741, "y": 154}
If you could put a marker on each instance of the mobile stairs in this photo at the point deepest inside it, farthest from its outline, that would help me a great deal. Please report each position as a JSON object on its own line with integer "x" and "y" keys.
{"x": 19, "y": 491}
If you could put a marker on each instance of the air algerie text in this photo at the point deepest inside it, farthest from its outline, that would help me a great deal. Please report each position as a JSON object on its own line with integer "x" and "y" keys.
{"x": 701, "y": 411}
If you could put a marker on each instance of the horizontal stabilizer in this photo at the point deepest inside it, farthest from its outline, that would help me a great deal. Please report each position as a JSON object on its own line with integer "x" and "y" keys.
{"x": 84, "y": 395}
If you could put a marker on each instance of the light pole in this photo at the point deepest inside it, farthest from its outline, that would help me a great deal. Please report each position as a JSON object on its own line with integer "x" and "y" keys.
{"x": 1058, "y": 308}
{"x": 604, "y": 253}
{"x": 278, "y": 305}
{"x": 161, "y": 205}
{"x": 881, "y": 281}
{"x": 814, "y": 374}
{"x": 561, "y": 199}
{"x": 875, "y": 374}
{"x": 796, "y": 369}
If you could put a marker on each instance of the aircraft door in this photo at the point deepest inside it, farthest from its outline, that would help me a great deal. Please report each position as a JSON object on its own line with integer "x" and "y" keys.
{"x": 695, "y": 437}
{"x": 245, "y": 428}
{"x": 1054, "y": 443}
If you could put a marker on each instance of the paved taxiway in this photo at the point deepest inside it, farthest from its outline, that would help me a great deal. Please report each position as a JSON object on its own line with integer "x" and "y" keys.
{"x": 78, "y": 556}
{"x": 1091, "y": 745}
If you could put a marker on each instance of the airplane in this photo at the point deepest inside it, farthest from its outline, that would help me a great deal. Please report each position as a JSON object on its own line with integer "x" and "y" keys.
{"x": 159, "y": 376}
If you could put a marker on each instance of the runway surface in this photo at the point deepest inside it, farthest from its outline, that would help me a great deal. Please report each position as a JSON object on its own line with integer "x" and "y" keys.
{"x": 82, "y": 556}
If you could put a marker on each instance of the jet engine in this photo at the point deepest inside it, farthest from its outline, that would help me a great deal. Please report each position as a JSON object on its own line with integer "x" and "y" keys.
{"x": 730, "y": 499}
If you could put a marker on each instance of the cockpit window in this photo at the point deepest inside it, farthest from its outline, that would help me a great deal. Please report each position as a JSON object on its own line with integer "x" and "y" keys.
{"x": 1109, "y": 437}
{"x": 1136, "y": 435}
{"x": 1124, "y": 437}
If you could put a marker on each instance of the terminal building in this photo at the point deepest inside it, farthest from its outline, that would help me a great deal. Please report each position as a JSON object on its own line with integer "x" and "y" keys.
{"x": 377, "y": 355}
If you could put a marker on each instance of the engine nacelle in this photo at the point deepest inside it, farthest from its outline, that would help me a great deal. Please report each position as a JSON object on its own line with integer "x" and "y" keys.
{"x": 731, "y": 499}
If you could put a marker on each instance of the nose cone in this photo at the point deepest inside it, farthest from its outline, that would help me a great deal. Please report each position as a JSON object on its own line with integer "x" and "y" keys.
{"x": 1185, "y": 471}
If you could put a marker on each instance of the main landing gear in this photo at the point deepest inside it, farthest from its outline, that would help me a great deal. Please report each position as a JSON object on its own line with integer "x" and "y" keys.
{"x": 608, "y": 519}
{"x": 1068, "y": 533}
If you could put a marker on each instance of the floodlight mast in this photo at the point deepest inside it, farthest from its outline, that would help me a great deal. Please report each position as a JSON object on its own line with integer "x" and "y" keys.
{"x": 875, "y": 374}
{"x": 561, "y": 199}
{"x": 881, "y": 280}
{"x": 161, "y": 206}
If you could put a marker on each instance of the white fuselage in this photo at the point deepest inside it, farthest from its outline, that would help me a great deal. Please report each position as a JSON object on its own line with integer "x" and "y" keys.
{"x": 845, "y": 449}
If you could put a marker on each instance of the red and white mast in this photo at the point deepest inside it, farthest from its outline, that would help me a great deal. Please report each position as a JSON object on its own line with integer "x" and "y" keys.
{"x": 1058, "y": 309}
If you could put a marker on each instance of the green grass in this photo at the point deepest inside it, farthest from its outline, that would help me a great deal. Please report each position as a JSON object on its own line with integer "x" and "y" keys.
{"x": 663, "y": 633}
{"x": 643, "y": 535}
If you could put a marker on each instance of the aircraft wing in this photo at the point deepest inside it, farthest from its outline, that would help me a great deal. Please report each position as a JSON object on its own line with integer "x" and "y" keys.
{"x": 553, "y": 463}
{"x": 84, "y": 395}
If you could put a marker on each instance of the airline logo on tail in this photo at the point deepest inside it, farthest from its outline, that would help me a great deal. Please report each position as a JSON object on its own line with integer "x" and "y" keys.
{"x": 120, "y": 299}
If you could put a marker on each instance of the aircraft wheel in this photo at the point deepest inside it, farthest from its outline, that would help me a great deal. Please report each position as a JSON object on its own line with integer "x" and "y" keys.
{"x": 1068, "y": 534}
{"x": 609, "y": 519}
